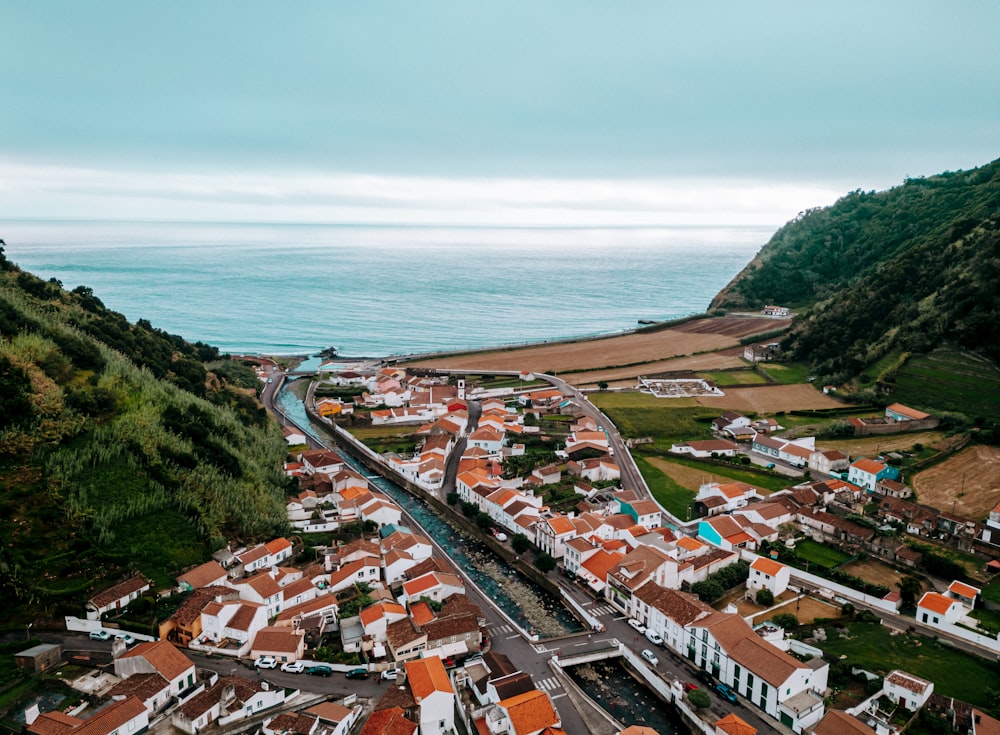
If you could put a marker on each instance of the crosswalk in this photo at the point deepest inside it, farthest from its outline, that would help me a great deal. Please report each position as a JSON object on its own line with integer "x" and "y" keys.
{"x": 503, "y": 629}
{"x": 550, "y": 684}
{"x": 603, "y": 610}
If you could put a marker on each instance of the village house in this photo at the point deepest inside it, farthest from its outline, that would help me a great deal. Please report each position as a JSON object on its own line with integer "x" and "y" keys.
{"x": 325, "y": 718}
{"x": 768, "y": 574}
{"x": 116, "y": 598}
{"x": 899, "y": 412}
{"x": 282, "y": 642}
{"x": 208, "y": 574}
{"x": 787, "y": 689}
{"x": 158, "y": 657}
{"x": 389, "y": 721}
{"x": 640, "y": 566}
{"x": 706, "y": 449}
{"x": 828, "y": 461}
{"x": 529, "y": 713}
{"x": 907, "y": 690}
{"x": 939, "y": 610}
{"x": 126, "y": 716}
{"x": 229, "y": 700}
{"x": 867, "y": 473}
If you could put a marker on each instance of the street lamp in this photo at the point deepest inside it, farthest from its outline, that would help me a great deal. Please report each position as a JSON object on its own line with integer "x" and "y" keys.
{"x": 27, "y": 631}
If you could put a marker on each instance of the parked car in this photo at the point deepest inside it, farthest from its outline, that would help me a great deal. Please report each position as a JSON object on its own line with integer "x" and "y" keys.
{"x": 690, "y": 686}
{"x": 266, "y": 662}
{"x": 390, "y": 674}
{"x": 129, "y": 640}
{"x": 706, "y": 677}
{"x": 653, "y": 637}
{"x": 293, "y": 667}
{"x": 637, "y": 625}
{"x": 100, "y": 635}
{"x": 500, "y": 535}
{"x": 650, "y": 656}
{"x": 726, "y": 693}
{"x": 352, "y": 674}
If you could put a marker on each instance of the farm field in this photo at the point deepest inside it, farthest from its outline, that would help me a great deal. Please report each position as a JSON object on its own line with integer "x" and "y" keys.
{"x": 687, "y": 477}
{"x": 627, "y": 376}
{"x": 871, "y": 446}
{"x": 806, "y": 610}
{"x": 950, "y": 380}
{"x": 672, "y": 496}
{"x": 816, "y": 553}
{"x": 635, "y": 348}
{"x": 734, "y": 377}
{"x": 770, "y": 399}
{"x": 725, "y": 473}
{"x": 969, "y": 482}
{"x": 955, "y": 674}
{"x": 871, "y": 571}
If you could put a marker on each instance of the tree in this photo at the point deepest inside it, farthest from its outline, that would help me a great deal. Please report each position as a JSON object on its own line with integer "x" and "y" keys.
{"x": 484, "y": 521}
{"x": 452, "y": 498}
{"x": 519, "y": 542}
{"x": 765, "y": 597}
{"x": 785, "y": 620}
{"x": 909, "y": 588}
{"x": 545, "y": 562}
{"x": 602, "y": 384}
{"x": 699, "y": 699}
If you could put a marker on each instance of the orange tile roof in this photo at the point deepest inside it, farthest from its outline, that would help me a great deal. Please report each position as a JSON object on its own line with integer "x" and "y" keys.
{"x": 162, "y": 656}
{"x": 329, "y": 712}
{"x": 421, "y": 613}
{"x": 601, "y": 563}
{"x": 733, "y": 725}
{"x": 427, "y": 676}
{"x": 691, "y": 544}
{"x": 530, "y": 712}
{"x": 203, "y": 575}
{"x": 277, "y": 639}
{"x": 112, "y": 717}
{"x": 768, "y": 566}
{"x": 936, "y": 602}
{"x": 275, "y": 545}
{"x": 54, "y": 723}
{"x": 871, "y": 466}
{"x": 963, "y": 589}
{"x": 560, "y": 525}
{"x": 380, "y": 610}
{"x": 389, "y": 722}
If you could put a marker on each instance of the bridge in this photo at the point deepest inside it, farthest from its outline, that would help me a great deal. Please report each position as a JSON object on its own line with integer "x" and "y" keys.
{"x": 585, "y": 653}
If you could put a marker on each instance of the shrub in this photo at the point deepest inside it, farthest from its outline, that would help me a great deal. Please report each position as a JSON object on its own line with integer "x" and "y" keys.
{"x": 765, "y": 597}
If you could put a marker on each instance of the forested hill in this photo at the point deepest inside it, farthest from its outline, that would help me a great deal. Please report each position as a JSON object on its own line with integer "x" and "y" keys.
{"x": 908, "y": 269}
{"x": 122, "y": 448}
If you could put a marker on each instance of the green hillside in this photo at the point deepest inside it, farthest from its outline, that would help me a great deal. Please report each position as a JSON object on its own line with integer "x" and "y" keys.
{"x": 122, "y": 448}
{"x": 906, "y": 270}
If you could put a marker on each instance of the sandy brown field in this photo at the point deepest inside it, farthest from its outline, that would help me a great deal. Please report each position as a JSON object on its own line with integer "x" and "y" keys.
{"x": 871, "y": 446}
{"x": 968, "y": 483}
{"x": 629, "y": 376}
{"x": 770, "y": 398}
{"x": 806, "y": 609}
{"x": 645, "y": 348}
{"x": 871, "y": 571}
{"x": 688, "y": 477}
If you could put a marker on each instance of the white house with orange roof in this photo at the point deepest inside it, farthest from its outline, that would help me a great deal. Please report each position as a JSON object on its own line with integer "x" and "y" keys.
{"x": 528, "y": 713}
{"x": 732, "y": 494}
{"x": 488, "y": 439}
{"x": 236, "y": 621}
{"x": 866, "y": 472}
{"x": 434, "y": 694}
{"x": 376, "y": 618}
{"x": 435, "y": 586}
{"x": 208, "y": 574}
{"x": 126, "y": 716}
{"x": 551, "y": 534}
{"x": 577, "y": 551}
{"x": 936, "y": 609}
{"x": 282, "y": 642}
{"x": 733, "y": 724}
{"x": 261, "y": 588}
{"x": 366, "y": 570}
{"x": 733, "y": 532}
{"x": 768, "y": 574}
{"x": 964, "y": 593}
{"x": 321, "y": 460}
{"x": 704, "y": 449}
{"x": 906, "y": 689}
{"x": 540, "y": 398}
{"x": 380, "y": 511}
{"x": 640, "y": 566}
{"x": 158, "y": 657}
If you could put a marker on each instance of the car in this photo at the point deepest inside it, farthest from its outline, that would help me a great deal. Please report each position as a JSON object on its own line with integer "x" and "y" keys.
{"x": 500, "y": 536}
{"x": 653, "y": 637}
{"x": 266, "y": 662}
{"x": 352, "y": 674}
{"x": 637, "y": 625}
{"x": 690, "y": 686}
{"x": 769, "y": 466}
{"x": 726, "y": 693}
{"x": 390, "y": 674}
{"x": 293, "y": 667}
{"x": 649, "y": 656}
{"x": 129, "y": 640}
{"x": 100, "y": 635}
{"x": 705, "y": 677}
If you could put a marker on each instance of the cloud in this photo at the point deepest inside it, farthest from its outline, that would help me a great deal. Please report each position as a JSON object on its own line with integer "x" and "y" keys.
{"x": 43, "y": 191}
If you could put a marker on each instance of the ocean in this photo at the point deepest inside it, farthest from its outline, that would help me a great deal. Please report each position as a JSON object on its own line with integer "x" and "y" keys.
{"x": 377, "y": 290}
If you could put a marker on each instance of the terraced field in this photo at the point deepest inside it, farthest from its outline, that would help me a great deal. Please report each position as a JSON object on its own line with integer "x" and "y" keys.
{"x": 950, "y": 380}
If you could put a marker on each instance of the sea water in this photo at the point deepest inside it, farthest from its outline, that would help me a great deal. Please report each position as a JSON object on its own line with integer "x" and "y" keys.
{"x": 376, "y": 290}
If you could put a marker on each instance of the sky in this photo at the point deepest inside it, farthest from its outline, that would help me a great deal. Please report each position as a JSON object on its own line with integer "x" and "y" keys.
{"x": 530, "y": 113}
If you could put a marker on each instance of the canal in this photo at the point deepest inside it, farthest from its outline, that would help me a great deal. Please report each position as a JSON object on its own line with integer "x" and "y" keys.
{"x": 611, "y": 685}
{"x": 530, "y": 606}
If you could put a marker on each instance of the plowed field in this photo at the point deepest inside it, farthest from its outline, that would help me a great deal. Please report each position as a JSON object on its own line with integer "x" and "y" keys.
{"x": 770, "y": 399}
{"x": 968, "y": 483}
